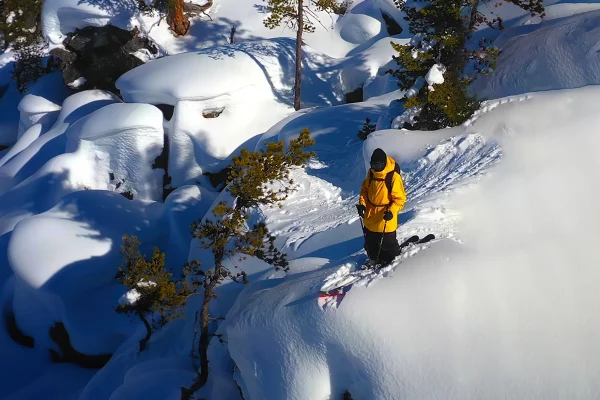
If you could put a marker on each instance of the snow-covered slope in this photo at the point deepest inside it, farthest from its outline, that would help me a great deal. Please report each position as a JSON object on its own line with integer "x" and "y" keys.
{"x": 559, "y": 53}
{"x": 506, "y": 315}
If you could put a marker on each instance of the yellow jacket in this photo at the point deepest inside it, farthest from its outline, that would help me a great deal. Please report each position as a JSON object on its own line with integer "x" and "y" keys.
{"x": 375, "y": 197}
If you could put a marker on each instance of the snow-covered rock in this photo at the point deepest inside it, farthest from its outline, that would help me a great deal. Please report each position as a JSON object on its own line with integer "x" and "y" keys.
{"x": 53, "y": 142}
{"x": 36, "y": 110}
{"x": 218, "y": 94}
{"x": 79, "y": 240}
{"x": 60, "y": 17}
{"x": 50, "y": 87}
{"x": 115, "y": 148}
{"x": 361, "y": 68}
{"x": 358, "y": 28}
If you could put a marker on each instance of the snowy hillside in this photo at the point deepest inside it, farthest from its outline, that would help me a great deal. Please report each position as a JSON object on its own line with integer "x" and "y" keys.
{"x": 502, "y": 304}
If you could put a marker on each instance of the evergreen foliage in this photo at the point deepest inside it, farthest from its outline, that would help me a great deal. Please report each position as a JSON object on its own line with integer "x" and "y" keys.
{"x": 366, "y": 130}
{"x": 20, "y": 27}
{"x": 442, "y": 29}
{"x": 285, "y": 12}
{"x": 260, "y": 178}
{"x": 158, "y": 298}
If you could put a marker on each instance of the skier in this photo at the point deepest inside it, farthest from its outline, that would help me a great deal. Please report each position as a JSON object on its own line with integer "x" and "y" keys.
{"x": 382, "y": 196}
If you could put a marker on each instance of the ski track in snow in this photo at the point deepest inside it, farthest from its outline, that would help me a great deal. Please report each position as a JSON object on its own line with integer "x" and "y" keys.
{"x": 318, "y": 206}
{"x": 349, "y": 274}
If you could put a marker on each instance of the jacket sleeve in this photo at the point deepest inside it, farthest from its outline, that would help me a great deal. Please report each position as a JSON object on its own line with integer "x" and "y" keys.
{"x": 364, "y": 192}
{"x": 398, "y": 195}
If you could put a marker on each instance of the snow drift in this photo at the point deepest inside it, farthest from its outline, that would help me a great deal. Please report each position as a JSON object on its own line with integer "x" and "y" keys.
{"x": 561, "y": 53}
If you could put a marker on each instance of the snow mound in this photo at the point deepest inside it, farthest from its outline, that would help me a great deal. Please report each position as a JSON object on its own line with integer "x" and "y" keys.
{"x": 79, "y": 240}
{"x": 52, "y": 143}
{"x": 200, "y": 75}
{"x": 50, "y": 87}
{"x": 182, "y": 207}
{"x": 557, "y": 54}
{"x": 60, "y": 17}
{"x": 36, "y": 110}
{"x": 115, "y": 148}
{"x": 358, "y": 28}
{"x": 219, "y": 96}
{"x": 364, "y": 67}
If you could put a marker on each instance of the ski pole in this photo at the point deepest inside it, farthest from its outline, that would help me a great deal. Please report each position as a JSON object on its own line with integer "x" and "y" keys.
{"x": 362, "y": 226}
{"x": 381, "y": 242}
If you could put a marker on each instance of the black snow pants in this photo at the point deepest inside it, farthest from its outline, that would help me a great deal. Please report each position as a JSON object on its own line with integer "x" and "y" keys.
{"x": 390, "y": 248}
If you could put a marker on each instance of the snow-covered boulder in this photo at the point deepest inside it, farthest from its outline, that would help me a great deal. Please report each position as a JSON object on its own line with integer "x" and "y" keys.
{"x": 36, "y": 110}
{"x": 220, "y": 96}
{"x": 49, "y": 87}
{"x": 358, "y": 28}
{"x": 32, "y": 157}
{"x": 182, "y": 207}
{"x": 79, "y": 241}
{"x": 60, "y": 17}
{"x": 364, "y": 68}
{"x": 115, "y": 148}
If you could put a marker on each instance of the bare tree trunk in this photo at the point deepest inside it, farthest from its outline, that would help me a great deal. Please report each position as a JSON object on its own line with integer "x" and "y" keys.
{"x": 204, "y": 333}
{"x": 473, "y": 19}
{"x": 298, "y": 81}
{"x": 178, "y": 22}
{"x": 146, "y": 338}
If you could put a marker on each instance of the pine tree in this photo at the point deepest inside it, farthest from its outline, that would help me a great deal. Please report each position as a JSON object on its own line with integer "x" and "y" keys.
{"x": 260, "y": 178}
{"x": 21, "y": 32}
{"x": 300, "y": 16}
{"x": 442, "y": 29}
{"x": 366, "y": 130}
{"x": 154, "y": 296}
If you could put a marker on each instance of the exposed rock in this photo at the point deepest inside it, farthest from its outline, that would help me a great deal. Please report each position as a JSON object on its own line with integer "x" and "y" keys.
{"x": 60, "y": 336}
{"x": 356, "y": 96}
{"x": 13, "y": 329}
{"x": 95, "y": 57}
{"x": 393, "y": 27}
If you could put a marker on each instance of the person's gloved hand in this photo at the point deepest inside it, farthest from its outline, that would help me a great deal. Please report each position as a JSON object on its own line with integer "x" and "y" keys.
{"x": 387, "y": 216}
{"x": 361, "y": 210}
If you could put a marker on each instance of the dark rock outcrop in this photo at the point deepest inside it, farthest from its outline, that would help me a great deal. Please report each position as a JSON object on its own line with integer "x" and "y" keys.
{"x": 100, "y": 55}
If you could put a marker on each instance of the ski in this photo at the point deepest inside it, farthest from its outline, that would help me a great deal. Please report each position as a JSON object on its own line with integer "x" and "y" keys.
{"x": 426, "y": 239}
{"x": 369, "y": 269}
